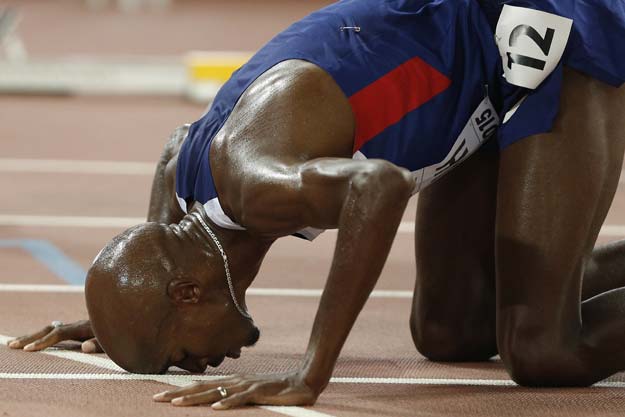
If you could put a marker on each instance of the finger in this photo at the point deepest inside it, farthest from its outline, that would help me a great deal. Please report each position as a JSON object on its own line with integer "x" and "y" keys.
{"x": 20, "y": 342}
{"x": 167, "y": 396}
{"x": 208, "y": 397}
{"x": 237, "y": 400}
{"x": 91, "y": 346}
{"x": 195, "y": 388}
{"x": 50, "y": 339}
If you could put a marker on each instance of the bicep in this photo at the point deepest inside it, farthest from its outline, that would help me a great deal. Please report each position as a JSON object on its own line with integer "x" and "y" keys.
{"x": 313, "y": 194}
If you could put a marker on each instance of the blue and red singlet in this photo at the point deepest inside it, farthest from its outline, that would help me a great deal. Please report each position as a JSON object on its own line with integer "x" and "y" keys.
{"x": 429, "y": 81}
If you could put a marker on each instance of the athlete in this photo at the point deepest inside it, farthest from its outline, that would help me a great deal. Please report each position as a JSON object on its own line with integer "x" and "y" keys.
{"x": 335, "y": 124}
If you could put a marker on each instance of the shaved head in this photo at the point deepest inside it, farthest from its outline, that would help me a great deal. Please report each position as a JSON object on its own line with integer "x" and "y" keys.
{"x": 126, "y": 294}
{"x": 157, "y": 296}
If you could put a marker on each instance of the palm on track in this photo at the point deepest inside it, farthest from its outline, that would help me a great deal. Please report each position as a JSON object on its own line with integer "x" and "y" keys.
{"x": 51, "y": 335}
{"x": 283, "y": 389}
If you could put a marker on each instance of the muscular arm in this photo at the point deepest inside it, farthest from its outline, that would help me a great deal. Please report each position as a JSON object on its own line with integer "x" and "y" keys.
{"x": 365, "y": 200}
{"x": 282, "y": 163}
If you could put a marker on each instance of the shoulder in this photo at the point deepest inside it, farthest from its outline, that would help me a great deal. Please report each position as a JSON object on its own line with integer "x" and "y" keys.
{"x": 290, "y": 78}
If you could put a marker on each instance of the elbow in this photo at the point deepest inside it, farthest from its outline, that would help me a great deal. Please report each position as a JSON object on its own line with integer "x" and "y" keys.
{"x": 386, "y": 177}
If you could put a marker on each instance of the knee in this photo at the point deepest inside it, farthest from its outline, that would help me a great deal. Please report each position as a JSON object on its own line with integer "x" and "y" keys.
{"x": 450, "y": 342}
{"x": 540, "y": 359}
{"x": 528, "y": 365}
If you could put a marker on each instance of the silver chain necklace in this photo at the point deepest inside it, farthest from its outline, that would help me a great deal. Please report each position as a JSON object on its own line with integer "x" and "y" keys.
{"x": 225, "y": 258}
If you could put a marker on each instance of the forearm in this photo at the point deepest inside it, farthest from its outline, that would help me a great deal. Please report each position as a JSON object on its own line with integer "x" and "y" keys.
{"x": 159, "y": 208}
{"x": 163, "y": 207}
{"x": 367, "y": 226}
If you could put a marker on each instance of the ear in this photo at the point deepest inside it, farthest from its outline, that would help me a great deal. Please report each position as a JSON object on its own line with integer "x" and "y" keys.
{"x": 184, "y": 292}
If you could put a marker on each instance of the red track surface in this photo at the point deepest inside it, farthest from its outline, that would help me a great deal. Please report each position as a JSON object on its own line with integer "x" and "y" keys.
{"x": 130, "y": 129}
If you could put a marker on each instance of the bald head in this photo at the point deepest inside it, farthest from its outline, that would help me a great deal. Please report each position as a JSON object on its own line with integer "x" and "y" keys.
{"x": 126, "y": 293}
{"x": 157, "y": 296}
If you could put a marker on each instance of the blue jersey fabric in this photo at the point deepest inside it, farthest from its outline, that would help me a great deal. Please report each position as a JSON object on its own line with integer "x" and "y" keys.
{"x": 423, "y": 70}
{"x": 596, "y": 47}
{"x": 451, "y": 36}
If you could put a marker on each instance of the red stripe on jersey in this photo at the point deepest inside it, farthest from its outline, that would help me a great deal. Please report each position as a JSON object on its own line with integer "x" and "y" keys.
{"x": 387, "y": 100}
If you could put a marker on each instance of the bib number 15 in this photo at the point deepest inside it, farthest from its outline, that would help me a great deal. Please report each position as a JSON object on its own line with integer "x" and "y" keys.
{"x": 531, "y": 44}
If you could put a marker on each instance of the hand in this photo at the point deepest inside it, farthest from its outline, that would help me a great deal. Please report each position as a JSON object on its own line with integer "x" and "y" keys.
{"x": 51, "y": 335}
{"x": 282, "y": 389}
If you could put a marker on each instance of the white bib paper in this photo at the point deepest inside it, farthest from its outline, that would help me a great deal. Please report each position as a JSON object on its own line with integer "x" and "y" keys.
{"x": 481, "y": 126}
{"x": 531, "y": 44}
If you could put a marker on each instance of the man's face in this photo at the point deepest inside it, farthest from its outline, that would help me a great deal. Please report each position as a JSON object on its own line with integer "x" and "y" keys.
{"x": 155, "y": 302}
{"x": 211, "y": 329}
{"x": 209, "y": 338}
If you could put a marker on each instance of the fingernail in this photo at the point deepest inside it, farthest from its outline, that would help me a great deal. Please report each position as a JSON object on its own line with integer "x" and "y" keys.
{"x": 13, "y": 344}
{"x": 218, "y": 406}
{"x": 159, "y": 397}
{"x": 29, "y": 347}
{"x": 177, "y": 401}
{"x": 88, "y": 347}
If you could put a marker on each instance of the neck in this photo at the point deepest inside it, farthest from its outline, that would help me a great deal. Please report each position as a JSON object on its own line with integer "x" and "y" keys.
{"x": 245, "y": 252}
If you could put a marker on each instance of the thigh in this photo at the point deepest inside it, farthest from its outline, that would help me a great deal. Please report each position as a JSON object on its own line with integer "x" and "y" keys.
{"x": 554, "y": 192}
{"x": 453, "y": 312}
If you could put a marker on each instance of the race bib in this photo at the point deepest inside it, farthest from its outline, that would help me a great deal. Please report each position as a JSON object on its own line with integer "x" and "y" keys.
{"x": 482, "y": 125}
{"x": 531, "y": 44}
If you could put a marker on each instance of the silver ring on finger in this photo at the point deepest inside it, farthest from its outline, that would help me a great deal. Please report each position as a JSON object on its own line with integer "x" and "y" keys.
{"x": 56, "y": 323}
{"x": 222, "y": 391}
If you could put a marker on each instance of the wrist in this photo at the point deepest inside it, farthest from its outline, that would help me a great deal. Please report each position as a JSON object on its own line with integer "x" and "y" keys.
{"x": 315, "y": 379}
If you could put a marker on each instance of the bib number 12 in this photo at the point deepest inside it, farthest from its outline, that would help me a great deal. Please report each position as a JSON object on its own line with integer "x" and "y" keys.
{"x": 531, "y": 44}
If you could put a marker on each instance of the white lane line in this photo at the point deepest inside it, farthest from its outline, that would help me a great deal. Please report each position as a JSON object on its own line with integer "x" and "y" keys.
{"x": 294, "y": 292}
{"x": 105, "y": 363}
{"x": 41, "y": 288}
{"x": 451, "y": 381}
{"x": 124, "y": 222}
{"x": 183, "y": 380}
{"x": 267, "y": 292}
{"x": 93, "y": 360}
{"x": 608, "y": 230}
{"x": 64, "y": 166}
{"x": 69, "y": 221}
{"x": 612, "y": 230}
{"x": 294, "y": 411}
{"x": 91, "y": 166}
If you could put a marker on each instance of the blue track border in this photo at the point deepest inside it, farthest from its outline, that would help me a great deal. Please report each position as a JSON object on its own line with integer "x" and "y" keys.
{"x": 51, "y": 256}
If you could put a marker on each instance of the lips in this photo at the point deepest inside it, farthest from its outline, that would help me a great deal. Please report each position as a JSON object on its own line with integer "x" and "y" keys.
{"x": 217, "y": 361}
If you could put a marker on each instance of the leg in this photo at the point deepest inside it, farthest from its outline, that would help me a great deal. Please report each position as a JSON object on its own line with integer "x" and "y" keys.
{"x": 605, "y": 270}
{"x": 554, "y": 193}
{"x": 453, "y": 311}
{"x": 164, "y": 207}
